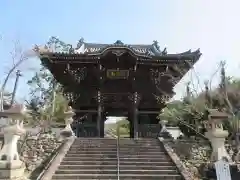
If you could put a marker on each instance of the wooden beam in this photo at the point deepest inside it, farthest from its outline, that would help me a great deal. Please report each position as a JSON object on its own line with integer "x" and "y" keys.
{"x": 86, "y": 111}
{"x": 124, "y": 112}
{"x": 149, "y": 112}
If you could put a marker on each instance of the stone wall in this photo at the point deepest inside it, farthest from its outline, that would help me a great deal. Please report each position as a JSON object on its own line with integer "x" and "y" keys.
{"x": 192, "y": 153}
{"x": 35, "y": 150}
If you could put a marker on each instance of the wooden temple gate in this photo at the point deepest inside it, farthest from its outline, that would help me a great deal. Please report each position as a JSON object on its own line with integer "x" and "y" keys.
{"x": 133, "y": 80}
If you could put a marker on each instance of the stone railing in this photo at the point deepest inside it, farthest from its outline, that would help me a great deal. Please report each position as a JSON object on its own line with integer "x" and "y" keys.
{"x": 55, "y": 159}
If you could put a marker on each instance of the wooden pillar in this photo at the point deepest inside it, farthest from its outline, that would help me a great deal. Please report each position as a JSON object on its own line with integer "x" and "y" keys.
{"x": 135, "y": 121}
{"x": 131, "y": 126}
{"x": 100, "y": 121}
{"x": 135, "y": 115}
{"x": 99, "y": 114}
{"x": 103, "y": 118}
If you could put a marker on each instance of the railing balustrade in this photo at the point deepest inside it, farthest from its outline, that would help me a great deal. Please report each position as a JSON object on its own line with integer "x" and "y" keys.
{"x": 118, "y": 159}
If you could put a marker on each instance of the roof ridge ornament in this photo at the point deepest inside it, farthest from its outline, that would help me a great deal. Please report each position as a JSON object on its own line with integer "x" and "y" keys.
{"x": 118, "y": 42}
{"x": 164, "y": 52}
{"x": 156, "y": 49}
{"x": 80, "y": 43}
{"x": 155, "y": 44}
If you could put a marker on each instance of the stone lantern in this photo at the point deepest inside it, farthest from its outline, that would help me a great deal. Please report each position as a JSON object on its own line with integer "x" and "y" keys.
{"x": 163, "y": 123}
{"x": 67, "y": 131}
{"x": 217, "y": 135}
{"x": 164, "y": 132}
{"x": 10, "y": 164}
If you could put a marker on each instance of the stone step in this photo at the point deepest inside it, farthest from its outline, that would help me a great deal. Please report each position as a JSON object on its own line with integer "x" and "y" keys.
{"x": 90, "y": 158}
{"x": 139, "y": 139}
{"x": 122, "y": 163}
{"x": 138, "y": 146}
{"x": 144, "y": 158}
{"x": 144, "y": 167}
{"x": 80, "y": 154}
{"x": 113, "y": 158}
{"x": 150, "y": 156}
{"x": 92, "y": 152}
{"x": 142, "y": 149}
{"x": 92, "y": 147}
{"x": 84, "y": 177}
{"x": 114, "y": 176}
{"x": 94, "y": 139}
{"x": 114, "y": 171}
{"x": 147, "y": 141}
{"x": 148, "y": 171}
{"x": 107, "y": 154}
{"x": 89, "y": 162}
{"x": 86, "y": 171}
{"x": 84, "y": 166}
{"x": 133, "y": 143}
{"x": 138, "y": 143}
{"x": 133, "y": 150}
{"x": 95, "y": 142}
{"x": 122, "y": 167}
{"x": 142, "y": 153}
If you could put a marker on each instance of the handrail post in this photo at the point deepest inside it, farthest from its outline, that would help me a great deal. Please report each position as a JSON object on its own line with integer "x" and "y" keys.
{"x": 118, "y": 160}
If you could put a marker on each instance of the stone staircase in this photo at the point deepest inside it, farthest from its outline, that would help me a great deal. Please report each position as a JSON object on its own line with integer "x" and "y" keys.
{"x": 96, "y": 158}
{"x": 145, "y": 159}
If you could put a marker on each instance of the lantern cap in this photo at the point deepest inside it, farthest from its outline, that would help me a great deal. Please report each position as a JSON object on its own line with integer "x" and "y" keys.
{"x": 215, "y": 114}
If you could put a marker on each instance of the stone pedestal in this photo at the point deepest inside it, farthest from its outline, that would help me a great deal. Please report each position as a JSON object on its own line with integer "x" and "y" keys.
{"x": 237, "y": 141}
{"x": 210, "y": 172}
{"x": 11, "y": 167}
{"x": 217, "y": 135}
{"x": 67, "y": 132}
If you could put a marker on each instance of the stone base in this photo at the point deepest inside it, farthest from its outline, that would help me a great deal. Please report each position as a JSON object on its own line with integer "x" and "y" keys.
{"x": 65, "y": 134}
{"x": 165, "y": 135}
{"x": 210, "y": 172}
{"x": 216, "y": 156}
{"x": 11, "y": 170}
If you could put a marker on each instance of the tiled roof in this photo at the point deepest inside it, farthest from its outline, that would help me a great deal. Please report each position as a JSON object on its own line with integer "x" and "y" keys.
{"x": 84, "y": 49}
{"x": 92, "y": 48}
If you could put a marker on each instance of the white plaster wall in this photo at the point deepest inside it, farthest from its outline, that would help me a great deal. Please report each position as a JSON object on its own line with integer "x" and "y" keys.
{"x": 174, "y": 131}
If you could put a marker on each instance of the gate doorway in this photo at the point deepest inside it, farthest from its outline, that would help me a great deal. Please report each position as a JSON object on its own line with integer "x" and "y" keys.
{"x": 112, "y": 124}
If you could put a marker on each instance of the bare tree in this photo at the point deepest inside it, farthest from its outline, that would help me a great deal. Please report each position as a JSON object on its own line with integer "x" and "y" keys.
{"x": 192, "y": 90}
{"x": 18, "y": 56}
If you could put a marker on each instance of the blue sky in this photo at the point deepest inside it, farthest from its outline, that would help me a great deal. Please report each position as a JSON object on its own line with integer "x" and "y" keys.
{"x": 213, "y": 26}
